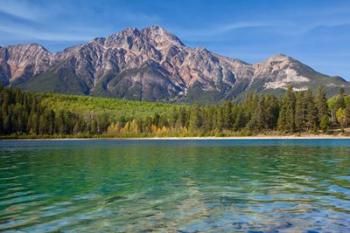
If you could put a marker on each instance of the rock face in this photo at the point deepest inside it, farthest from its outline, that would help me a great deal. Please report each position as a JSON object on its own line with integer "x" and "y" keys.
{"x": 152, "y": 64}
{"x": 23, "y": 62}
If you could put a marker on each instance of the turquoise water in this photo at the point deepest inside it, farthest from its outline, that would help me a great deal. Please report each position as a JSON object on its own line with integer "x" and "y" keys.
{"x": 175, "y": 186}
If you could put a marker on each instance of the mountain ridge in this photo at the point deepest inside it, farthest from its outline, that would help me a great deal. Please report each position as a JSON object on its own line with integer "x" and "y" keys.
{"x": 153, "y": 64}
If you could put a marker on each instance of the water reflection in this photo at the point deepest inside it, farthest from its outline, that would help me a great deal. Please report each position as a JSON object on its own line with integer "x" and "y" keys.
{"x": 177, "y": 186}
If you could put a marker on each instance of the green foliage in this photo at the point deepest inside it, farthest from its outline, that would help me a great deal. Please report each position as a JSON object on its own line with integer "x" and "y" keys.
{"x": 114, "y": 108}
{"x": 347, "y": 114}
{"x": 22, "y": 113}
{"x": 321, "y": 103}
{"x": 59, "y": 115}
{"x": 341, "y": 118}
{"x": 286, "y": 121}
{"x": 324, "y": 124}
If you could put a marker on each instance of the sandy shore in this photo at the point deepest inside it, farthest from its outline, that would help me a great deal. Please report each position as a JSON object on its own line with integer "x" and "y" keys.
{"x": 240, "y": 138}
{"x": 289, "y": 137}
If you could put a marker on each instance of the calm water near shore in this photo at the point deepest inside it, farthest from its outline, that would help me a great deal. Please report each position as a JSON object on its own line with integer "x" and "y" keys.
{"x": 175, "y": 185}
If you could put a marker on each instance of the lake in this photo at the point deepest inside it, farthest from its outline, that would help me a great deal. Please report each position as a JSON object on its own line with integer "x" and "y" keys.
{"x": 175, "y": 185}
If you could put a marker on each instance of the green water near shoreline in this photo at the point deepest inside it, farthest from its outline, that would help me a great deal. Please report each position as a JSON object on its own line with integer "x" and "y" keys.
{"x": 175, "y": 186}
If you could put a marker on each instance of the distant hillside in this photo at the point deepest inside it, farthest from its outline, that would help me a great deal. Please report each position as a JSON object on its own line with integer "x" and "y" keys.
{"x": 153, "y": 65}
{"x": 26, "y": 114}
{"x": 114, "y": 108}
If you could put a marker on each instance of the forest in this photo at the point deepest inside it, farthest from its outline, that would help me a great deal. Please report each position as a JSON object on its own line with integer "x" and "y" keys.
{"x": 34, "y": 115}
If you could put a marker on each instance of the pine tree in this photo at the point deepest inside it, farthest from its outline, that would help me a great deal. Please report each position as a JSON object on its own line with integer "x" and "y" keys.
{"x": 33, "y": 123}
{"x": 60, "y": 123}
{"x": 258, "y": 118}
{"x": 271, "y": 108}
{"x": 340, "y": 101}
{"x": 207, "y": 119}
{"x": 300, "y": 112}
{"x": 173, "y": 118}
{"x": 240, "y": 121}
{"x": 51, "y": 122}
{"x": 4, "y": 112}
{"x": 183, "y": 119}
{"x": 312, "y": 114}
{"x": 290, "y": 111}
{"x": 321, "y": 103}
{"x": 227, "y": 115}
{"x": 43, "y": 124}
{"x": 23, "y": 113}
{"x": 219, "y": 124}
{"x": 286, "y": 121}
{"x": 282, "y": 117}
{"x": 195, "y": 119}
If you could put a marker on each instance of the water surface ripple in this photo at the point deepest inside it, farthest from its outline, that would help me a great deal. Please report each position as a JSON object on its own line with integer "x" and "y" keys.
{"x": 175, "y": 186}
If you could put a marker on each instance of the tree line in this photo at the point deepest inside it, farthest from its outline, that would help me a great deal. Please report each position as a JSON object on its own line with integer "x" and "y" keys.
{"x": 296, "y": 112}
{"x": 23, "y": 114}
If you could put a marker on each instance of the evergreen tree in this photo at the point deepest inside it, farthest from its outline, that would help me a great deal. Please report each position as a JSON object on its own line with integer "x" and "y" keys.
{"x": 173, "y": 118}
{"x": 240, "y": 121}
{"x": 324, "y": 123}
{"x": 207, "y": 120}
{"x": 300, "y": 112}
{"x": 282, "y": 117}
{"x": 60, "y": 123}
{"x": 219, "y": 124}
{"x": 258, "y": 120}
{"x": 33, "y": 123}
{"x": 24, "y": 113}
{"x": 311, "y": 110}
{"x": 321, "y": 103}
{"x": 227, "y": 115}
{"x": 271, "y": 108}
{"x": 195, "y": 119}
{"x": 340, "y": 101}
{"x": 286, "y": 121}
{"x": 290, "y": 109}
{"x": 183, "y": 119}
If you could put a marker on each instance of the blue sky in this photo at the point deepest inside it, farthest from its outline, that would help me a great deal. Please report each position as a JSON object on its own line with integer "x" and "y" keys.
{"x": 316, "y": 32}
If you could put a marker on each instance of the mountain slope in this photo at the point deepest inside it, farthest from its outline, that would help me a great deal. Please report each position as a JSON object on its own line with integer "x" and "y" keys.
{"x": 152, "y": 64}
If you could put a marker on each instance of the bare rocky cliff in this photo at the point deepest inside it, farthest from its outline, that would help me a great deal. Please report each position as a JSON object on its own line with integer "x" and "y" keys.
{"x": 152, "y": 64}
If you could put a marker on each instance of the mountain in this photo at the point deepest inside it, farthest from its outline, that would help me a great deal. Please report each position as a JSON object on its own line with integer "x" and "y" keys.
{"x": 152, "y": 64}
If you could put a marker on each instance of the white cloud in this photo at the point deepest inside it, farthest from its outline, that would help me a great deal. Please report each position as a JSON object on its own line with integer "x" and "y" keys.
{"x": 193, "y": 34}
{"x": 22, "y": 9}
{"x": 59, "y": 21}
{"x": 37, "y": 34}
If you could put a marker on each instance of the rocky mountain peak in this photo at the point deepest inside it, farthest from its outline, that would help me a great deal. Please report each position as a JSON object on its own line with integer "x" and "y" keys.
{"x": 134, "y": 32}
{"x": 161, "y": 37}
{"x": 99, "y": 40}
{"x": 152, "y": 64}
{"x": 279, "y": 58}
{"x": 26, "y": 60}
{"x": 124, "y": 39}
{"x": 278, "y": 62}
{"x": 27, "y": 49}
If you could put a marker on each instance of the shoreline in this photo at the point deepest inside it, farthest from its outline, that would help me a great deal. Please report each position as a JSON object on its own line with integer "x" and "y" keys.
{"x": 289, "y": 137}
